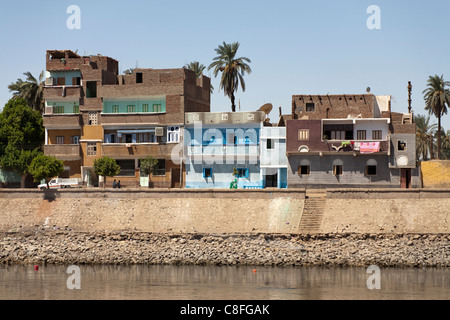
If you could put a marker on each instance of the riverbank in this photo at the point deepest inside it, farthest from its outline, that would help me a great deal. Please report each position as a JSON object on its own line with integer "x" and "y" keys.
{"x": 44, "y": 246}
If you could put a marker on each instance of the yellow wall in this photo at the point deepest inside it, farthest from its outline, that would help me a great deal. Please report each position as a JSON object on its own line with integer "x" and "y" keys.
{"x": 436, "y": 174}
{"x": 67, "y": 134}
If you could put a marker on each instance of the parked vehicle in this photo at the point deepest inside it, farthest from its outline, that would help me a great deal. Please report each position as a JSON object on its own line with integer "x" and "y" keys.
{"x": 60, "y": 184}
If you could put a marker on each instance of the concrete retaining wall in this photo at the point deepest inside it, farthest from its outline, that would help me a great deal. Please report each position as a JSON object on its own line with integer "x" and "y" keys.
{"x": 225, "y": 211}
{"x": 186, "y": 211}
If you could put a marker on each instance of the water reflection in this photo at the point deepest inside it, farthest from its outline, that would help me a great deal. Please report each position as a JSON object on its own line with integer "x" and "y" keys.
{"x": 225, "y": 283}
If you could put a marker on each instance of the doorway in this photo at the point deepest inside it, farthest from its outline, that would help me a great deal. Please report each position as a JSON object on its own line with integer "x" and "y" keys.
{"x": 176, "y": 178}
{"x": 272, "y": 181}
{"x": 405, "y": 178}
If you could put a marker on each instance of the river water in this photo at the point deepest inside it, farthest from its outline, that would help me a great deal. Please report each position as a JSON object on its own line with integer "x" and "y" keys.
{"x": 219, "y": 283}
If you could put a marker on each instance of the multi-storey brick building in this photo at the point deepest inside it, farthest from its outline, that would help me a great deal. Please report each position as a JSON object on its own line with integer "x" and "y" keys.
{"x": 91, "y": 111}
{"x": 350, "y": 141}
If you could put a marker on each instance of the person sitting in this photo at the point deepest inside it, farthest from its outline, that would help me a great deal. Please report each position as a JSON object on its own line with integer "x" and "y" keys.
{"x": 114, "y": 184}
{"x": 118, "y": 184}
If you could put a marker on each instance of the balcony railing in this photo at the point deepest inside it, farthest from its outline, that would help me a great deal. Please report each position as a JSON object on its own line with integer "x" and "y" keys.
{"x": 63, "y": 151}
{"x": 223, "y": 150}
{"x": 363, "y": 147}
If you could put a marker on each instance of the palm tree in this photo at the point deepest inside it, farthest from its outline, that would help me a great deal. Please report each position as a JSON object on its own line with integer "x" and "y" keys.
{"x": 198, "y": 68}
{"x": 233, "y": 69}
{"x": 424, "y": 133}
{"x": 437, "y": 99}
{"x": 31, "y": 90}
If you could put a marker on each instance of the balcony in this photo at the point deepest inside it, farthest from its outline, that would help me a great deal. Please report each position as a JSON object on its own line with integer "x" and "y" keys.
{"x": 63, "y": 151}
{"x": 359, "y": 147}
{"x": 62, "y": 92}
{"x": 137, "y": 150}
{"x": 62, "y": 121}
{"x": 223, "y": 151}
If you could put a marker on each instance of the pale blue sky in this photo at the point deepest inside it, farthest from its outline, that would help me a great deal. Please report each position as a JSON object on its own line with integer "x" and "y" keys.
{"x": 296, "y": 47}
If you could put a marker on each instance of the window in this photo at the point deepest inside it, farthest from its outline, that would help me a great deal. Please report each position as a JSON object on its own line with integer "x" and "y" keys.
{"x": 303, "y": 134}
{"x": 401, "y": 146}
{"x": 161, "y": 171}
{"x": 145, "y": 108}
{"x": 75, "y": 140}
{"x": 76, "y": 81}
{"x": 337, "y": 170}
{"x": 207, "y": 173}
{"x": 338, "y": 132}
{"x": 242, "y": 173}
{"x": 58, "y": 109}
{"x": 303, "y": 170}
{"x": 91, "y": 89}
{"x": 361, "y": 135}
{"x": 270, "y": 144}
{"x": 93, "y": 118}
{"x": 115, "y": 109}
{"x": 138, "y": 77}
{"x": 338, "y": 135}
{"x": 91, "y": 149}
{"x": 131, "y": 108}
{"x": 377, "y": 135}
{"x": 59, "y": 140}
{"x": 157, "y": 108}
{"x": 127, "y": 168}
{"x": 371, "y": 170}
{"x": 310, "y": 107}
{"x": 173, "y": 134}
{"x": 76, "y": 109}
{"x": 60, "y": 81}
{"x": 231, "y": 138}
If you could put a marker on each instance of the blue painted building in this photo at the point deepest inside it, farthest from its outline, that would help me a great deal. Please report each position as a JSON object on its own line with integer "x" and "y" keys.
{"x": 222, "y": 150}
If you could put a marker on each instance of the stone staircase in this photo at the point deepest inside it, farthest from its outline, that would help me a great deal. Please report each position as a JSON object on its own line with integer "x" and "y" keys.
{"x": 313, "y": 212}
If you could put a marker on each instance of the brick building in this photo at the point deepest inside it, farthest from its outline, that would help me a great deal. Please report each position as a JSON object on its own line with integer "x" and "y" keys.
{"x": 92, "y": 111}
{"x": 350, "y": 141}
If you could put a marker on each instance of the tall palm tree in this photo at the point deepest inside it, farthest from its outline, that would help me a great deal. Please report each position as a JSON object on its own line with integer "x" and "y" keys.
{"x": 437, "y": 99}
{"x": 233, "y": 70}
{"x": 198, "y": 68}
{"x": 424, "y": 133}
{"x": 31, "y": 90}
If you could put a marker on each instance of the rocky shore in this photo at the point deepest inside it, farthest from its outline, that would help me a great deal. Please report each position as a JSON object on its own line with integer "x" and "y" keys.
{"x": 333, "y": 250}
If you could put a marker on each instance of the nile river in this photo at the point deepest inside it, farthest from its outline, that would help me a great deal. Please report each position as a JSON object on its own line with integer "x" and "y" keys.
{"x": 219, "y": 283}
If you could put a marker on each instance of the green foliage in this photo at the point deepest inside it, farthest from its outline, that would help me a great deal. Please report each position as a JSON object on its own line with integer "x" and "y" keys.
{"x": 31, "y": 90}
{"x": 106, "y": 167}
{"x": 149, "y": 166}
{"x": 45, "y": 167}
{"x": 437, "y": 100}
{"x": 21, "y": 136}
{"x": 232, "y": 68}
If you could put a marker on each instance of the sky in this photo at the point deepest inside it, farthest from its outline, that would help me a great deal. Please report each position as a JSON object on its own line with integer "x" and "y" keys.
{"x": 295, "y": 47}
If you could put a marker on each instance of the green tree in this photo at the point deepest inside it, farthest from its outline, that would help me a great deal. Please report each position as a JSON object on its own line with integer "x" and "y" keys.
{"x": 149, "y": 166}
{"x": 437, "y": 99}
{"x": 106, "y": 167}
{"x": 232, "y": 68}
{"x": 21, "y": 137}
{"x": 45, "y": 167}
{"x": 424, "y": 135}
{"x": 32, "y": 90}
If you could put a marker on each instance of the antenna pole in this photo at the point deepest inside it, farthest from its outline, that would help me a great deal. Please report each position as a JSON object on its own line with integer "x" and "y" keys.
{"x": 409, "y": 97}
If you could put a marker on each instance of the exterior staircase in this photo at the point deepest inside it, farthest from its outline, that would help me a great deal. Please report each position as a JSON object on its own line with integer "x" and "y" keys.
{"x": 313, "y": 212}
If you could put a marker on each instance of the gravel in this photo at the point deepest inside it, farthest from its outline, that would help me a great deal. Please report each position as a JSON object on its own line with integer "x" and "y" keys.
{"x": 47, "y": 246}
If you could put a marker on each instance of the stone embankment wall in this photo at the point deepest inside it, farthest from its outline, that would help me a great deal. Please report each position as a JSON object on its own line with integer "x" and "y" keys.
{"x": 366, "y": 211}
{"x": 156, "y": 211}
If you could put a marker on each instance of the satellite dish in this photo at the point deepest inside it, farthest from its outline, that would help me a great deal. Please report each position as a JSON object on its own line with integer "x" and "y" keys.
{"x": 266, "y": 108}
